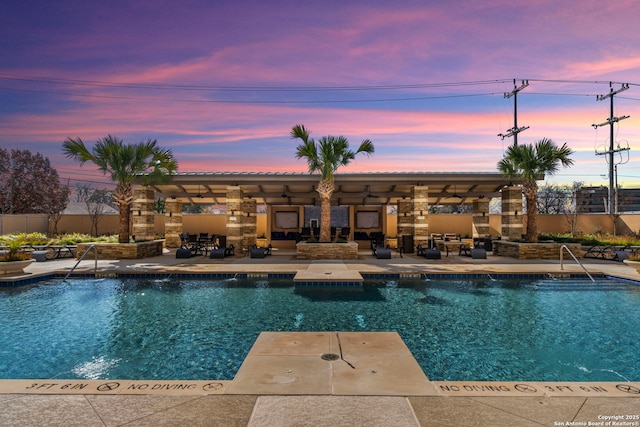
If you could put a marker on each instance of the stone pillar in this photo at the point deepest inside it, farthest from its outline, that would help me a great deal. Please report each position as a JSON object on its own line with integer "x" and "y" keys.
{"x": 421, "y": 215}
{"x": 405, "y": 219}
{"x": 480, "y": 219}
{"x": 143, "y": 214}
{"x": 234, "y": 219}
{"x": 512, "y": 213}
{"x": 249, "y": 223}
{"x": 172, "y": 223}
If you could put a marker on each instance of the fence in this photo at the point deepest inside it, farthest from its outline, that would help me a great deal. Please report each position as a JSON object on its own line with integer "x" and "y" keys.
{"x": 215, "y": 223}
{"x": 23, "y": 223}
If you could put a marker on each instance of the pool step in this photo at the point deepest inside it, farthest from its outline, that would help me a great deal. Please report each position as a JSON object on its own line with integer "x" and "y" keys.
{"x": 328, "y": 274}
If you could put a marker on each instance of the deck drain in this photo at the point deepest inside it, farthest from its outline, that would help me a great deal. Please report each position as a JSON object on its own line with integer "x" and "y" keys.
{"x": 330, "y": 356}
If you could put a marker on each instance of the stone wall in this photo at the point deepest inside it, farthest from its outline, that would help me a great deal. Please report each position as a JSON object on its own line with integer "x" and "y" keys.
{"x": 122, "y": 250}
{"x": 549, "y": 251}
{"x": 347, "y": 250}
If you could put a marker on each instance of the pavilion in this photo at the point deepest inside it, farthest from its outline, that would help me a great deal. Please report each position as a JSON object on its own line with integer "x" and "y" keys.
{"x": 411, "y": 192}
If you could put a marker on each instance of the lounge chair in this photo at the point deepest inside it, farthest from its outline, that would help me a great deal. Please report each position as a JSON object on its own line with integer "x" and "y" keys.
{"x": 218, "y": 252}
{"x": 429, "y": 253}
{"x": 188, "y": 246}
{"x": 600, "y": 252}
{"x": 184, "y": 253}
{"x": 474, "y": 253}
{"x": 256, "y": 252}
{"x": 380, "y": 252}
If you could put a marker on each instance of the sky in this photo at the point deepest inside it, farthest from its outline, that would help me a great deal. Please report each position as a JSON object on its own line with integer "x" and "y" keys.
{"x": 222, "y": 82}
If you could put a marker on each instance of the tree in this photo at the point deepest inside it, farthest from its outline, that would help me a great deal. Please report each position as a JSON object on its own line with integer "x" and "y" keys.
{"x": 28, "y": 184}
{"x": 95, "y": 200}
{"x": 529, "y": 163}
{"x": 325, "y": 157}
{"x": 572, "y": 213}
{"x": 555, "y": 199}
{"x": 60, "y": 200}
{"x": 125, "y": 164}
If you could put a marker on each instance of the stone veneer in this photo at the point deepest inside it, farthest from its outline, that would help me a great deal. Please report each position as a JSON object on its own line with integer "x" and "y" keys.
{"x": 122, "y": 250}
{"x": 347, "y": 250}
{"x": 534, "y": 250}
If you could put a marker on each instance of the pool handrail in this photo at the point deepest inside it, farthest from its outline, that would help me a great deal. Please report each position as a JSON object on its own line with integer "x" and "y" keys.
{"x": 95, "y": 268}
{"x": 576, "y": 259}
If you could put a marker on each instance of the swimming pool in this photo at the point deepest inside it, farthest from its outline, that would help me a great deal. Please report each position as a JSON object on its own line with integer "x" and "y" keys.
{"x": 457, "y": 329}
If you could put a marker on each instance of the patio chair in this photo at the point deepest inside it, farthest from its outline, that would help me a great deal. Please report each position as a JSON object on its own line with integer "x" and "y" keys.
{"x": 345, "y": 232}
{"x": 483, "y": 242}
{"x": 305, "y": 233}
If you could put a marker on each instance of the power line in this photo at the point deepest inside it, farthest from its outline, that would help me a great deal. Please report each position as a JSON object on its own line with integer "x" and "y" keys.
{"x": 229, "y": 101}
{"x": 164, "y": 86}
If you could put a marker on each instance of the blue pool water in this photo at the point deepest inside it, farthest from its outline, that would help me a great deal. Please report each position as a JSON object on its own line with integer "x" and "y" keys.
{"x": 482, "y": 329}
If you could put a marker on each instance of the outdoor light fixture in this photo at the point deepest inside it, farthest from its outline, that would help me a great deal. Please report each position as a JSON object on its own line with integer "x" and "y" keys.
{"x": 515, "y": 212}
{"x": 139, "y": 213}
{"x": 170, "y": 214}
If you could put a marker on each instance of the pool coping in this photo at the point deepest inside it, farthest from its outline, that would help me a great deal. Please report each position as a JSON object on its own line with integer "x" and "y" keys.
{"x": 213, "y": 387}
{"x": 36, "y": 278}
{"x": 527, "y": 270}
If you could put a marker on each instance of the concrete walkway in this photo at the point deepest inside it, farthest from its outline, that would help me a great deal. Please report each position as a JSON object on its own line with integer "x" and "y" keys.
{"x": 273, "y": 388}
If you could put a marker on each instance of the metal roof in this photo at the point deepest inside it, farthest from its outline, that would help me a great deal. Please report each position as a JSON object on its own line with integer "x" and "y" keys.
{"x": 375, "y": 188}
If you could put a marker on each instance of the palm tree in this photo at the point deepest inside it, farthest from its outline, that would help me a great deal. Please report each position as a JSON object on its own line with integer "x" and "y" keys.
{"x": 529, "y": 163}
{"x": 326, "y": 157}
{"x": 125, "y": 164}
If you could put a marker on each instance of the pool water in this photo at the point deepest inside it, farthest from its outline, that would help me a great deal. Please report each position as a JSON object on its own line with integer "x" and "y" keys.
{"x": 485, "y": 330}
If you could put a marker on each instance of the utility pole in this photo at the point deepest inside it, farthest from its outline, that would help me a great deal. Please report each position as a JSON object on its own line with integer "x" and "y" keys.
{"x": 515, "y": 130}
{"x": 612, "y": 206}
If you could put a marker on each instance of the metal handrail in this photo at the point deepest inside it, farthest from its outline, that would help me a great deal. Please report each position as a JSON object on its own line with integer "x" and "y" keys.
{"x": 576, "y": 259}
{"x": 95, "y": 268}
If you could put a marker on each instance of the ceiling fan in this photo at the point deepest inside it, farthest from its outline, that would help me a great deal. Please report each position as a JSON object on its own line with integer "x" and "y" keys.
{"x": 369, "y": 195}
{"x": 455, "y": 194}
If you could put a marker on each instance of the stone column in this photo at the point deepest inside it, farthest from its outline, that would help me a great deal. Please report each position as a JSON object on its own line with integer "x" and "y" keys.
{"x": 480, "y": 219}
{"x": 172, "y": 223}
{"x": 143, "y": 214}
{"x": 512, "y": 213}
{"x": 234, "y": 219}
{"x": 405, "y": 222}
{"x": 249, "y": 223}
{"x": 420, "y": 215}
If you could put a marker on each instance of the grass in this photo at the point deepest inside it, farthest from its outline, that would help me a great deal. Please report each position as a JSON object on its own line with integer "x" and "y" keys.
{"x": 40, "y": 239}
{"x": 592, "y": 239}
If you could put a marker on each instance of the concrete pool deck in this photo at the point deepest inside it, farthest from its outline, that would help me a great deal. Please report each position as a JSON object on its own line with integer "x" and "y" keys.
{"x": 284, "y": 381}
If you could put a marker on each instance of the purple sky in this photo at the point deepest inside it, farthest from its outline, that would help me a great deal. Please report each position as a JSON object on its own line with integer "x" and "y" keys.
{"x": 221, "y": 83}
